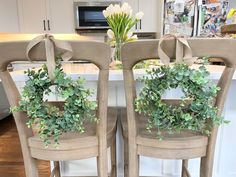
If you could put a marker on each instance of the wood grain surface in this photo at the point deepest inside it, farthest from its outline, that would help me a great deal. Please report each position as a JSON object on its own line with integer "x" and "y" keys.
{"x": 11, "y": 160}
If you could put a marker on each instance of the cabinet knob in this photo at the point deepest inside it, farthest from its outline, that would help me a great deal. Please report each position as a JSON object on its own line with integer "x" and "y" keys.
{"x": 49, "y": 25}
{"x": 44, "y": 25}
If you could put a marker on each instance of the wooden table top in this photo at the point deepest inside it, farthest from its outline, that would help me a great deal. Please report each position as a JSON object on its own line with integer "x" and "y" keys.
{"x": 7, "y": 37}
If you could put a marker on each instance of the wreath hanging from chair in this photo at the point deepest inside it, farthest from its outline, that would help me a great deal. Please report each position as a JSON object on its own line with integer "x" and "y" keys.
{"x": 195, "y": 111}
{"x": 50, "y": 119}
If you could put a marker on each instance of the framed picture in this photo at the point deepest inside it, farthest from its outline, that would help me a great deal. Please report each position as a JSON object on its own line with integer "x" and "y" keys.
{"x": 212, "y": 15}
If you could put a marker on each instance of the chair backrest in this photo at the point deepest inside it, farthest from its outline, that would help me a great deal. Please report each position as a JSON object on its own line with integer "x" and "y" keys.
{"x": 134, "y": 52}
{"x": 95, "y": 52}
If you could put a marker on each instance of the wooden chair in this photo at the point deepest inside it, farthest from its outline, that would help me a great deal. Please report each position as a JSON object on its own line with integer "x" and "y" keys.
{"x": 73, "y": 146}
{"x": 186, "y": 145}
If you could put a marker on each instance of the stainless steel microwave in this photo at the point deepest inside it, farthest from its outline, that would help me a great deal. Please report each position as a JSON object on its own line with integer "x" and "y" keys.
{"x": 88, "y": 14}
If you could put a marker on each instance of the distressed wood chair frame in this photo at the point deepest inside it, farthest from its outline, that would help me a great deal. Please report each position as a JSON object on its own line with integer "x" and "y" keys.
{"x": 81, "y": 147}
{"x": 176, "y": 148}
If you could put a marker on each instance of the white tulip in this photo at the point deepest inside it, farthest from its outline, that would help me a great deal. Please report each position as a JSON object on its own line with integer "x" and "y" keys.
{"x": 110, "y": 10}
{"x": 110, "y": 34}
{"x": 126, "y": 8}
{"x": 117, "y": 9}
{"x": 129, "y": 34}
{"x": 105, "y": 13}
{"x": 125, "y": 5}
{"x": 139, "y": 15}
{"x": 134, "y": 37}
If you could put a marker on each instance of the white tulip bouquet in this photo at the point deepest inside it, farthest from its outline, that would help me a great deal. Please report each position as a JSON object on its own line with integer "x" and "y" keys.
{"x": 120, "y": 20}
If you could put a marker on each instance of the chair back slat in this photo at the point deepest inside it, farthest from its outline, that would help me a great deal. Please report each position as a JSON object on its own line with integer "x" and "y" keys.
{"x": 94, "y": 52}
{"x": 102, "y": 97}
{"x": 134, "y": 52}
{"x": 224, "y": 84}
{"x": 130, "y": 95}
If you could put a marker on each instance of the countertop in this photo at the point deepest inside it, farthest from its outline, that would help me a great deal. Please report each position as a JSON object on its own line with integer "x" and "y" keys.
{"x": 90, "y": 72}
{"x": 7, "y": 37}
{"x": 86, "y": 70}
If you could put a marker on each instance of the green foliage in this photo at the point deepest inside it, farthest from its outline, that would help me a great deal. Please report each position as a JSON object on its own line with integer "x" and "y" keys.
{"x": 121, "y": 24}
{"x": 196, "y": 87}
{"x": 51, "y": 121}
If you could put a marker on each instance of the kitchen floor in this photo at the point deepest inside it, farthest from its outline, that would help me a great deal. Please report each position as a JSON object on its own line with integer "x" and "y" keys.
{"x": 11, "y": 160}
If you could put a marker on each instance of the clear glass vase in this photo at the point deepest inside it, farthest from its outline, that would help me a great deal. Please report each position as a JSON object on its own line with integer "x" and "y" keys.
{"x": 117, "y": 53}
{"x": 116, "y": 57}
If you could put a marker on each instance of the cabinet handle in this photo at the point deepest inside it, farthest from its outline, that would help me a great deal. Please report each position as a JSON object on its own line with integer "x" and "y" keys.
{"x": 44, "y": 25}
{"x": 49, "y": 25}
{"x": 140, "y": 27}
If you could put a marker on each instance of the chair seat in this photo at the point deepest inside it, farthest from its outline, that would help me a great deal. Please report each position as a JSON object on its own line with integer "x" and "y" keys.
{"x": 70, "y": 142}
{"x": 177, "y": 142}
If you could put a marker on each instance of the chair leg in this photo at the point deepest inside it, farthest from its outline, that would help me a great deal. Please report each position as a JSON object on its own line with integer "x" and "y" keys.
{"x": 102, "y": 163}
{"x": 31, "y": 168}
{"x": 133, "y": 167}
{"x": 206, "y": 167}
{"x": 126, "y": 158}
{"x": 184, "y": 167}
{"x": 57, "y": 171}
{"x": 113, "y": 158}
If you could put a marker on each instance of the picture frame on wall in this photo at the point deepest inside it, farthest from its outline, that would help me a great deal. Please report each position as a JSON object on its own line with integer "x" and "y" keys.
{"x": 195, "y": 17}
{"x": 212, "y": 15}
{"x": 179, "y": 17}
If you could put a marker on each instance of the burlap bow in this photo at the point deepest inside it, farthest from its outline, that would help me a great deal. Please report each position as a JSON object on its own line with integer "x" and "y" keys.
{"x": 50, "y": 45}
{"x": 183, "y": 50}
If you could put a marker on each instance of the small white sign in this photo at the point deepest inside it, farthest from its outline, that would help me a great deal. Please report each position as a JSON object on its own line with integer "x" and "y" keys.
{"x": 179, "y": 7}
{"x": 199, "y": 2}
{"x": 179, "y": 1}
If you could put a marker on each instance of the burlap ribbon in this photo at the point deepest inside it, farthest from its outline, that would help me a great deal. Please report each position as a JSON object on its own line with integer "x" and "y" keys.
{"x": 183, "y": 50}
{"x": 51, "y": 44}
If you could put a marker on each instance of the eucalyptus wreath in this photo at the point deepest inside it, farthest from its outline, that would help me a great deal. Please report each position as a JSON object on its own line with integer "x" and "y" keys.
{"x": 196, "y": 108}
{"x": 52, "y": 121}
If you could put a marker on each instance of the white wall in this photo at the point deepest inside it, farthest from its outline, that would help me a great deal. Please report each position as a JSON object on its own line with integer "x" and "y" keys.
{"x": 9, "y": 16}
{"x": 232, "y": 3}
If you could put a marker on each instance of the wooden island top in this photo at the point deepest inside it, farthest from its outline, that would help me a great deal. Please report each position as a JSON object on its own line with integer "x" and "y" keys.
{"x": 8, "y": 37}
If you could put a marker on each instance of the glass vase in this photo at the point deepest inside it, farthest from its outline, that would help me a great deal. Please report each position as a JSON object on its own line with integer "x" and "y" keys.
{"x": 117, "y": 53}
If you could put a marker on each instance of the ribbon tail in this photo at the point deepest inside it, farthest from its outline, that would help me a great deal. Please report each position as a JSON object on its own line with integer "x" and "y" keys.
{"x": 179, "y": 51}
{"x": 186, "y": 52}
{"x": 162, "y": 55}
{"x": 50, "y": 55}
{"x": 187, "y": 49}
{"x": 32, "y": 44}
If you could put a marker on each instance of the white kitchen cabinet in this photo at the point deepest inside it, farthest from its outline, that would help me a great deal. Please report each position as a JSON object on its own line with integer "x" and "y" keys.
{"x": 9, "y": 22}
{"x": 32, "y": 16}
{"x": 46, "y": 16}
{"x": 152, "y": 19}
{"x": 61, "y": 16}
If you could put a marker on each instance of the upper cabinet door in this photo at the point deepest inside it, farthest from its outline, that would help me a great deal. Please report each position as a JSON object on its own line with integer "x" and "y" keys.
{"x": 32, "y": 15}
{"x": 150, "y": 21}
{"x": 8, "y": 16}
{"x": 60, "y": 16}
